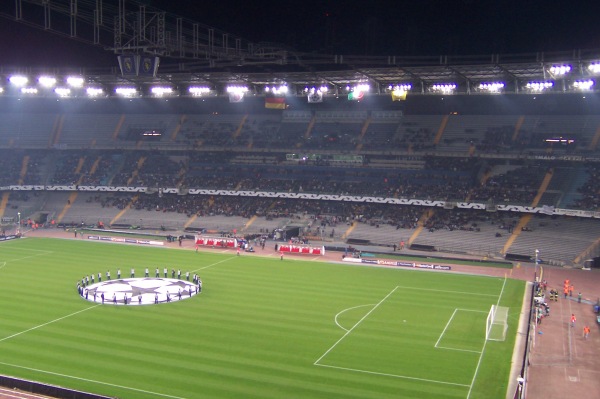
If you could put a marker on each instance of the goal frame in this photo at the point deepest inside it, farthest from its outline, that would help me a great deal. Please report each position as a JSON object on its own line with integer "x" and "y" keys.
{"x": 496, "y": 323}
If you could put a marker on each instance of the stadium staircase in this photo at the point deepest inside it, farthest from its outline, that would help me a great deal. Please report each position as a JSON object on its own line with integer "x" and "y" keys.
{"x": 363, "y": 132}
{"x": 95, "y": 165}
{"x": 68, "y": 205}
{"x": 136, "y": 172}
{"x": 428, "y": 214}
{"x": 589, "y": 252}
{"x": 349, "y": 230}
{"x": 310, "y": 127}
{"x": 56, "y": 132}
{"x": 517, "y": 130}
{"x": 23, "y": 172}
{"x": 177, "y": 129}
{"x": 118, "y": 127}
{"x": 524, "y": 220}
{"x": 4, "y": 202}
{"x": 191, "y": 220}
{"x": 440, "y": 132}
{"x": 124, "y": 210}
{"x": 595, "y": 140}
{"x": 238, "y": 130}
{"x": 249, "y": 223}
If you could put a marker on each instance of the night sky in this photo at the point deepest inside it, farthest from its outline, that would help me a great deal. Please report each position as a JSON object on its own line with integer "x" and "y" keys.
{"x": 376, "y": 27}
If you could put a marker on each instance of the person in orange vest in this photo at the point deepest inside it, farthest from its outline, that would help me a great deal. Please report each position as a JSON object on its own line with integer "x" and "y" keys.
{"x": 566, "y": 291}
{"x": 573, "y": 319}
{"x": 570, "y": 290}
{"x": 586, "y": 332}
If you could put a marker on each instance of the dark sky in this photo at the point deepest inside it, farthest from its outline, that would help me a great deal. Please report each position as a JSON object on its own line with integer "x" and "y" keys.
{"x": 375, "y": 27}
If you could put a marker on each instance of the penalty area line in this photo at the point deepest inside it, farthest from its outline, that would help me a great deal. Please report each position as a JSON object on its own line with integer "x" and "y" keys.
{"x": 394, "y": 375}
{"x": 354, "y": 326}
{"x": 92, "y": 381}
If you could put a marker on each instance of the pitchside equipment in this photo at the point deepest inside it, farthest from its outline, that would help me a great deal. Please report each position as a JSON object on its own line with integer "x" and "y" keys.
{"x": 496, "y": 323}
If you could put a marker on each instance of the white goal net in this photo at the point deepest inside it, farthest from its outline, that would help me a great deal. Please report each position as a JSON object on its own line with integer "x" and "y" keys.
{"x": 496, "y": 323}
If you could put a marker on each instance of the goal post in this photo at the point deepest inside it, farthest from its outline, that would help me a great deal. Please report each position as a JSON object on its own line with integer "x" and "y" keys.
{"x": 496, "y": 323}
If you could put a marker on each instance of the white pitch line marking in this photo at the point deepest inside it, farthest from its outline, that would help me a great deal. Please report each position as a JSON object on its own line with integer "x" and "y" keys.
{"x": 394, "y": 375}
{"x": 93, "y": 381}
{"x": 345, "y": 310}
{"x": 354, "y": 326}
{"x": 457, "y": 349}
{"x": 484, "y": 345}
{"x": 45, "y": 324}
{"x": 214, "y": 264}
{"x": 448, "y": 292}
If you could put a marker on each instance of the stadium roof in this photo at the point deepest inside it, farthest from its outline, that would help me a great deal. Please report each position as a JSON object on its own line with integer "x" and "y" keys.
{"x": 303, "y": 71}
{"x": 194, "y": 54}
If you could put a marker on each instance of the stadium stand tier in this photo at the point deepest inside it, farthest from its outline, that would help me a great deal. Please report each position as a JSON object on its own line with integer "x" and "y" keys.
{"x": 459, "y": 175}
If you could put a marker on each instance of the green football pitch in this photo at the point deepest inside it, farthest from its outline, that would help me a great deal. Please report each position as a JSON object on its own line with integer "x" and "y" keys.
{"x": 261, "y": 328}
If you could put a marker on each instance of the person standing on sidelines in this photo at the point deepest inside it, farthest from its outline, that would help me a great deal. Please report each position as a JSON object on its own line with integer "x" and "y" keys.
{"x": 132, "y": 272}
{"x": 165, "y": 271}
{"x": 119, "y": 274}
{"x": 146, "y": 273}
{"x": 573, "y": 319}
{"x": 586, "y": 332}
{"x": 108, "y": 274}
{"x": 157, "y": 273}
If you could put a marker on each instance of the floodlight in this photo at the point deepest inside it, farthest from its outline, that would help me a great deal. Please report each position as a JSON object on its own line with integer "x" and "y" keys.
{"x": 491, "y": 87}
{"x": 63, "y": 91}
{"x": 75, "y": 81}
{"x": 161, "y": 91}
{"x": 560, "y": 69}
{"x": 583, "y": 84}
{"x": 126, "y": 91}
{"x": 594, "y": 67}
{"x": 198, "y": 90}
{"x": 1, "y": 89}
{"x": 18, "y": 80}
{"x": 94, "y": 92}
{"x": 539, "y": 86}
{"x": 444, "y": 87}
{"x": 47, "y": 81}
{"x": 400, "y": 87}
{"x": 322, "y": 89}
{"x": 29, "y": 90}
{"x": 280, "y": 90}
{"x": 363, "y": 87}
{"x": 237, "y": 89}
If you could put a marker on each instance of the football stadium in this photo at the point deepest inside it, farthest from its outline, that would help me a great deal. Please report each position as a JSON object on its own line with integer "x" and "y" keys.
{"x": 254, "y": 222}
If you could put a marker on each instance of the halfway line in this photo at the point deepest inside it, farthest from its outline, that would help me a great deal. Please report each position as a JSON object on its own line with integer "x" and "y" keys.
{"x": 214, "y": 264}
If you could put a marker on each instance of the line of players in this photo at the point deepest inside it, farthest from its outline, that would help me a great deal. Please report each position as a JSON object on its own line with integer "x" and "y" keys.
{"x": 89, "y": 280}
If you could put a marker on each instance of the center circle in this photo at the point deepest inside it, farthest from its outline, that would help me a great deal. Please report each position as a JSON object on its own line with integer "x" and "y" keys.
{"x": 139, "y": 291}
